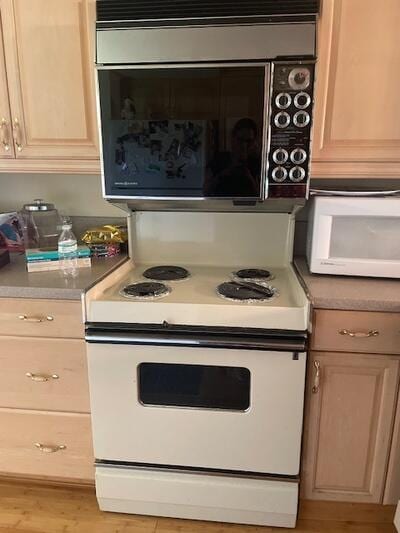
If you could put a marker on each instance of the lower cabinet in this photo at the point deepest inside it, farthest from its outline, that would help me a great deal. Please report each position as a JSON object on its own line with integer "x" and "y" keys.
{"x": 44, "y": 392}
{"x": 46, "y": 445}
{"x": 350, "y": 408}
{"x": 44, "y": 374}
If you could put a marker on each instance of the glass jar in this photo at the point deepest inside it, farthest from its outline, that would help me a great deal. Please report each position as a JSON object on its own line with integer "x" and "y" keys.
{"x": 41, "y": 225}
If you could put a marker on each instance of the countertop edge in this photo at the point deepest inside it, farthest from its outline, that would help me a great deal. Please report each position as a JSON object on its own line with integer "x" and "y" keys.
{"x": 319, "y": 300}
{"x": 61, "y": 293}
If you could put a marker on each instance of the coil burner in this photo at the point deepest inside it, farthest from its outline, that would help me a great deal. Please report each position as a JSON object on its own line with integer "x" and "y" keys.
{"x": 246, "y": 291}
{"x": 253, "y": 274}
{"x": 145, "y": 291}
{"x": 166, "y": 273}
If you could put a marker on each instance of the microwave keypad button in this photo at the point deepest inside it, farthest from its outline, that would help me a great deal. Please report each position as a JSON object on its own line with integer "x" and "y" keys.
{"x": 301, "y": 119}
{"x": 280, "y": 156}
{"x": 298, "y": 156}
{"x": 299, "y": 78}
{"x": 297, "y": 174}
{"x": 302, "y": 100}
{"x": 279, "y": 174}
{"x": 283, "y": 100}
{"x": 282, "y": 120}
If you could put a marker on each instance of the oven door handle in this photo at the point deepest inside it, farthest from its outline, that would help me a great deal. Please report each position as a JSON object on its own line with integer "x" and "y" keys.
{"x": 197, "y": 341}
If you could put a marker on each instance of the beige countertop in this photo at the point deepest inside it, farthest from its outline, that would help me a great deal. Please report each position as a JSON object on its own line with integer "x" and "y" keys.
{"x": 16, "y": 282}
{"x": 348, "y": 292}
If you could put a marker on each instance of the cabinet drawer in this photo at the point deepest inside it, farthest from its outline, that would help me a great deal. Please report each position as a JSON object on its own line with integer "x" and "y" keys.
{"x": 22, "y": 433}
{"x": 356, "y": 331}
{"x": 58, "y": 374}
{"x": 41, "y": 318}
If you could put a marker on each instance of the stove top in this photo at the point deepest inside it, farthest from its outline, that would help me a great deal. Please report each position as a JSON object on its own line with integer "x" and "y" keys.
{"x": 208, "y": 297}
{"x": 246, "y": 291}
{"x": 145, "y": 291}
{"x": 166, "y": 273}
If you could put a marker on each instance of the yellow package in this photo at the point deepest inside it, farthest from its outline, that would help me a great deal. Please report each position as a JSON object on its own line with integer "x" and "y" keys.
{"x": 106, "y": 234}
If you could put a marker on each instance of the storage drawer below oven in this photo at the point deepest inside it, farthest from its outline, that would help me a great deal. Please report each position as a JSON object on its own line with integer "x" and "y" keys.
{"x": 197, "y": 496}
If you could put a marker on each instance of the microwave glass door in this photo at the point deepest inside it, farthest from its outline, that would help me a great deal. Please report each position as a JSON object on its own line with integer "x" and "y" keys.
{"x": 188, "y": 132}
{"x": 365, "y": 237}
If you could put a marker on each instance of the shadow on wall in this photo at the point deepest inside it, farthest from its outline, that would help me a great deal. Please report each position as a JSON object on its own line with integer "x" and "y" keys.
{"x": 72, "y": 194}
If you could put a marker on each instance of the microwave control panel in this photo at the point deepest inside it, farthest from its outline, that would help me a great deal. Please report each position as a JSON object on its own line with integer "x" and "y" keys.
{"x": 291, "y": 108}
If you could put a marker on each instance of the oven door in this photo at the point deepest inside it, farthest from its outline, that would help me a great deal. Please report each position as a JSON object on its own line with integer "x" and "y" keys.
{"x": 184, "y": 131}
{"x": 205, "y": 408}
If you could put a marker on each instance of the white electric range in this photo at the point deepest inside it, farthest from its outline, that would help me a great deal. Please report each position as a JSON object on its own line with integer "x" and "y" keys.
{"x": 197, "y": 358}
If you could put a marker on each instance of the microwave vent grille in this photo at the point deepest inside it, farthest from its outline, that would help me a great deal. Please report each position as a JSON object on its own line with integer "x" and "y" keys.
{"x": 141, "y": 11}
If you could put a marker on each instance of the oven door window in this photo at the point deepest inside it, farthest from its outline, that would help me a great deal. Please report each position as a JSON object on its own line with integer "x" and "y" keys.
{"x": 194, "y": 386}
{"x": 183, "y": 132}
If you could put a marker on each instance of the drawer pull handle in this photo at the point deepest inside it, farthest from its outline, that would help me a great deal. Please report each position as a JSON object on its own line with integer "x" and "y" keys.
{"x": 360, "y": 334}
{"x": 40, "y": 378}
{"x": 36, "y": 319}
{"x": 317, "y": 379}
{"x": 48, "y": 448}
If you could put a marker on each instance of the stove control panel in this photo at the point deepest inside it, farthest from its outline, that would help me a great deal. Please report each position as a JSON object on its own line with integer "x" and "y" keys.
{"x": 291, "y": 107}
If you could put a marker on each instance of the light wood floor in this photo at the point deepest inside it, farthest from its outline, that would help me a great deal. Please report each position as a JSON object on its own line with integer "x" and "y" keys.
{"x": 28, "y": 508}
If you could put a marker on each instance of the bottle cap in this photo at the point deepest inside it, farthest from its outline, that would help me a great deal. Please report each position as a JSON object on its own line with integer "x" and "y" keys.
{"x": 66, "y": 223}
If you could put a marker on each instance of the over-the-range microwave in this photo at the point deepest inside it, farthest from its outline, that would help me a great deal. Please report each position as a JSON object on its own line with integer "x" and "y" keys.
{"x": 205, "y": 100}
{"x": 355, "y": 236}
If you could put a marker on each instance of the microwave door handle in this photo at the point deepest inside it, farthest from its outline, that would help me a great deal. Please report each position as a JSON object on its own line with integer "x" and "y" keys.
{"x": 268, "y": 89}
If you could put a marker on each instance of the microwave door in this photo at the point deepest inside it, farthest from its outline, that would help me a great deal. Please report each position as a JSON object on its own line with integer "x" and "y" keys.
{"x": 184, "y": 132}
{"x": 356, "y": 237}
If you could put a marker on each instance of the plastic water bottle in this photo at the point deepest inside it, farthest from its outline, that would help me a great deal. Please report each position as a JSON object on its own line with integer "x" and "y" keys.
{"x": 68, "y": 250}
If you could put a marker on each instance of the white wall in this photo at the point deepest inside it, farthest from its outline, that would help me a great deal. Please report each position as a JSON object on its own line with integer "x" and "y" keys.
{"x": 72, "y": 195}
{"x": 81, "y": 195}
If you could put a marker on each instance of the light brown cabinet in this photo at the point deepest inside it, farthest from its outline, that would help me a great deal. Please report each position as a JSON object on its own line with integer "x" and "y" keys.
{"x": 46, "y": 445}
{"x": 47, "y": 93}
{"x": 349, "y": 421}
{"x": 352, "y": 414}
{"x": 357, "y": 126}
{"x": 6, "y": 143}
{"x": 356, "y": 331}
{"x": 25, "y": 317}
{"x": 44, "y": 374}
{"x": 44, "y": 391}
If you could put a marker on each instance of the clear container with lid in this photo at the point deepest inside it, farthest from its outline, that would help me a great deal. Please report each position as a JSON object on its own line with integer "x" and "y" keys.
{"x": 41, "y": 225}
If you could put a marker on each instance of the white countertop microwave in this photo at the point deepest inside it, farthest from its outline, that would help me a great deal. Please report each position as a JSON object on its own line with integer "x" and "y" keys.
{"x": 355, "y": 236}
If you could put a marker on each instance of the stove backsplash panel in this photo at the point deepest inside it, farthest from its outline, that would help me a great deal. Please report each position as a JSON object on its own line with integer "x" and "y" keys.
{"x": 224, "y": 239}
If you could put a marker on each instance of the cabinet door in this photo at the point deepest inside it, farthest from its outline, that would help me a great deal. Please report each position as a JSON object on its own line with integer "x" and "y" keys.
{"x": 357, "y": 127}
{"x": 50, "y": 70}
{"x": 348, "y": 426}
{"x": 6, "y": 144}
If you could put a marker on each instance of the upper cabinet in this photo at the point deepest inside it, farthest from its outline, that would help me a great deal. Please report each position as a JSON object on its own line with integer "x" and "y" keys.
{"x": 357, "y": 125}
{"x": 47, "y": 90}
{"x": 6, "y": 144}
